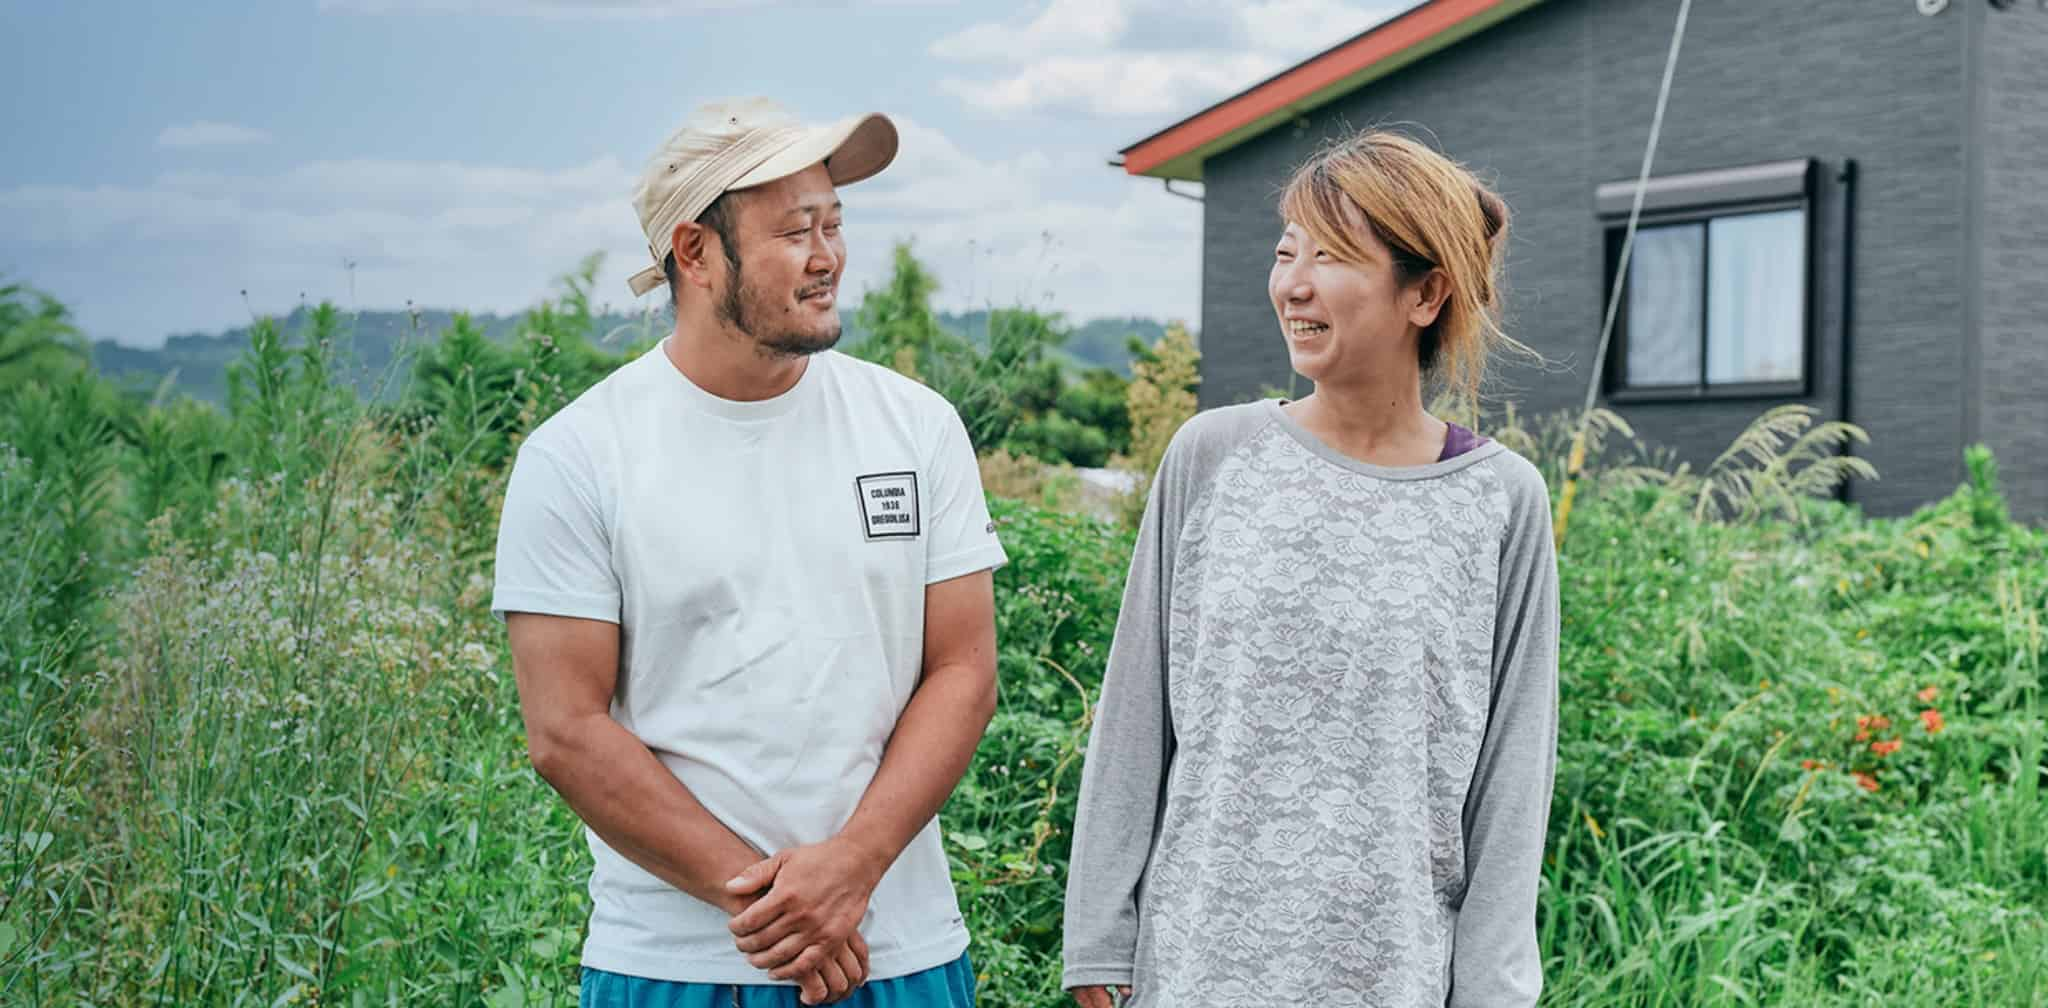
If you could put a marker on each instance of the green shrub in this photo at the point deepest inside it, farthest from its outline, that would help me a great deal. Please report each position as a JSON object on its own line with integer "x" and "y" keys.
{"x": 1007, "y": 824}
{"x": 261, "y": 742}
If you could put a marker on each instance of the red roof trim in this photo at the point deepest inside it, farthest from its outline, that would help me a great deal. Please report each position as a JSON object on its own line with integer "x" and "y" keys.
{"x": 1318, "y": 72}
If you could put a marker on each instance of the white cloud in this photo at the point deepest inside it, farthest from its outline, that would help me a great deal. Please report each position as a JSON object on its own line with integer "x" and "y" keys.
{"x": 1143, "y": 58}
{"x": 1277, "y": 26}
{"x": 409, "y": 186}
{"x": 1132, "y": 85}
{"x": 1062, "y": 24}
{"x": 1012, "y": 231}
{"x": 210, "y": 134}
{"x": 538, "y": 8}
{"x": 138, "y": 262}
{"x": 574, "y": 9}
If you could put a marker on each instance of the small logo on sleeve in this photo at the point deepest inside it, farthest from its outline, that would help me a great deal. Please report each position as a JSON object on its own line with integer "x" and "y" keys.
{"x": 888, "y": 505}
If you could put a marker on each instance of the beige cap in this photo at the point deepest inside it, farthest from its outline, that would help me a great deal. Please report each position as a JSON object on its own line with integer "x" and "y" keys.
{"x": 741, "y": 143}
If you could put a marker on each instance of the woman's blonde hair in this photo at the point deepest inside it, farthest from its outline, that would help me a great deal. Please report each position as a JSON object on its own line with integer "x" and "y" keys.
{"x": 1433, "y": 214}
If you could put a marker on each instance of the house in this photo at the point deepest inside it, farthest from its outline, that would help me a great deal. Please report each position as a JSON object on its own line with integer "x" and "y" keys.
{"x": 1861, "y": 184}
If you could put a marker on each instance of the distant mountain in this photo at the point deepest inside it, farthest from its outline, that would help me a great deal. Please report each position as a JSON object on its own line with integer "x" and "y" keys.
{"x": 1098, "y": 343}
{"x": 378, "y": 356}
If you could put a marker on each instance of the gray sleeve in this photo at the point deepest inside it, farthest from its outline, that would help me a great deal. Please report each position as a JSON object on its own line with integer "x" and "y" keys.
{"x": 1495, "y": 961}
{"x": 1123, "y": 781}
{"x": 1130, "y": 749}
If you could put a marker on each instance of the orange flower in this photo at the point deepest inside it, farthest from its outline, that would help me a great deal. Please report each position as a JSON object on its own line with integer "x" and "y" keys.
{"x": 1885, "y": 748}
{"x": 1864, "y": 780}
{"x": 1931, "y": 718}
{"x": 1812, "y": 764}
{"x": 1927, "y": 695}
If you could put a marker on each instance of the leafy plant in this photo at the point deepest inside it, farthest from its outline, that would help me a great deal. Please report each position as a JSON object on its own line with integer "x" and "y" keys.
{"x": 37, "y": 338}
{"x": 260, "y": 743}
{"x": 1782, "y": 458}
{"x": 1161, "y": 398}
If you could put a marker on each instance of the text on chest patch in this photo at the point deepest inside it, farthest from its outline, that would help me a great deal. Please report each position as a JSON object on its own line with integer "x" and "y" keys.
{"x": 888, "y": 505}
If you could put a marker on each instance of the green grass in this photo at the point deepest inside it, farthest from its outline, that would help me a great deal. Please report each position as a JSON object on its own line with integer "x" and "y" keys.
{"x": 259, "y": 741}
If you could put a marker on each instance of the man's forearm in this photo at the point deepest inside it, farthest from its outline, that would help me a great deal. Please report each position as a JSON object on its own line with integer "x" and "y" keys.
{"x": 926, "y": 756}
{"x": 618, "y": 787}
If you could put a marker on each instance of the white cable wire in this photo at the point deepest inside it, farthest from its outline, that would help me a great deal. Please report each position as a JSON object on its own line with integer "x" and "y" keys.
{"x": 1635, "y": 210}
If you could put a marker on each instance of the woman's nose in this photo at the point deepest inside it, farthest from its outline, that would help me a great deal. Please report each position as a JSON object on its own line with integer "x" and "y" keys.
{"x": 1293, "y": 285}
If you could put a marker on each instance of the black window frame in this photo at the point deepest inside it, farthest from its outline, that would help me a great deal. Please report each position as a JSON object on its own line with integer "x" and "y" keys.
{"x": 1701, "y": 197}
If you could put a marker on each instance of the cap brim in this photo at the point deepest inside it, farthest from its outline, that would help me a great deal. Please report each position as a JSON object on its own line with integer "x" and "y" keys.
{"x": 852, "y": 149}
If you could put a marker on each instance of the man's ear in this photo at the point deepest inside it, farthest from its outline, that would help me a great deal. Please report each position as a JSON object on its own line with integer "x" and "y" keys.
{"x": 1431, "y": 293}
{"x": 695, "y": 246}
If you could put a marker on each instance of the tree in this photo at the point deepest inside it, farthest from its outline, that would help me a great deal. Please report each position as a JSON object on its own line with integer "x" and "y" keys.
{"x": 904, "y": 334}
{"x": 464, "y": 385}
{"x": 1161, "y": 399}
{"x": 899, "y": 316}
{"x": 1098, "y": 400}
{"x": 37, "y": 339}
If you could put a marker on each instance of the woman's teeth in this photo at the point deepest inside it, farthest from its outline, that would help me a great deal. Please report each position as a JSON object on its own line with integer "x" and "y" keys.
{"x": 1297, "y": 327}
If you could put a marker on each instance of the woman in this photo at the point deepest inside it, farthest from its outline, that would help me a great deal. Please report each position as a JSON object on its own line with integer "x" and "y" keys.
{"x": 1321, "y": 767}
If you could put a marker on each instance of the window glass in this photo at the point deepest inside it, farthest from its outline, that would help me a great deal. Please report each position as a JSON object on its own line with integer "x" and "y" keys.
{"x": 1756, "y": 297}
{"x": 1664, "y": 302}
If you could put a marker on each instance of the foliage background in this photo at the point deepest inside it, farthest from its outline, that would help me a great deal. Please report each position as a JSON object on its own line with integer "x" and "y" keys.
{"x": 259, "y": 742}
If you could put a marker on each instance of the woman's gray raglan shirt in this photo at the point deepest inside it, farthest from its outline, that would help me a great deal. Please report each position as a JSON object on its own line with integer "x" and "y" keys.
{"x": 1321, "y": 764}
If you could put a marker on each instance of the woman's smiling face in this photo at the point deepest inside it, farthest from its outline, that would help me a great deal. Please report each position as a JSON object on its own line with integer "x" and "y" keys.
{"x": 1338, "y": 317}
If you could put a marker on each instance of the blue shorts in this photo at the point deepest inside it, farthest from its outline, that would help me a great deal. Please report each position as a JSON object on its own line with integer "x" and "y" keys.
{"x": 948, "y": 986}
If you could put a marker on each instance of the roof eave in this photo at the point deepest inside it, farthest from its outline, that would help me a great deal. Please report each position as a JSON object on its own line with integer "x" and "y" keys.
{"x": 1180, "y": 150}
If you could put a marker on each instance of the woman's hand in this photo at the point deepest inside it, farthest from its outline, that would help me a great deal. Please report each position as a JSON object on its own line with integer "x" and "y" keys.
{"x": 1099, "y": 997}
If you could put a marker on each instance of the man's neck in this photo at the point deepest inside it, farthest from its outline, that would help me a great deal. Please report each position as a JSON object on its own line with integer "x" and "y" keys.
{"x": 728, "y": 363}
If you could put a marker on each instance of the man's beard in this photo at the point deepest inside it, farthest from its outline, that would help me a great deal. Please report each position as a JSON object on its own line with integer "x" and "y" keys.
{"x": 741, "y": 309}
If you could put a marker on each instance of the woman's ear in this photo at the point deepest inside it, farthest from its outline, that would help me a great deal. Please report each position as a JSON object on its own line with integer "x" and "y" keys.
{"x": 1428, "y": 297}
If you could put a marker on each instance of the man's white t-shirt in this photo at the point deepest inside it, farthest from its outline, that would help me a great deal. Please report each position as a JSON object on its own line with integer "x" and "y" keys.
{"x": 766, "y": 563}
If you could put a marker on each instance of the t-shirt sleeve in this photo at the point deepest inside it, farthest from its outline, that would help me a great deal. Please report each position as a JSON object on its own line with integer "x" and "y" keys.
{"x": 960, "y": 539}
{"x": 554, "y": 551}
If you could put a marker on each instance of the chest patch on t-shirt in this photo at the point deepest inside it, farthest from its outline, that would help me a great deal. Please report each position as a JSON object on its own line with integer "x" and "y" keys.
{"x": 888, "y": 505}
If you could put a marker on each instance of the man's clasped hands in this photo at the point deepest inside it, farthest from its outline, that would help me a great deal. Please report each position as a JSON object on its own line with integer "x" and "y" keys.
{"x": 797, "y": 914}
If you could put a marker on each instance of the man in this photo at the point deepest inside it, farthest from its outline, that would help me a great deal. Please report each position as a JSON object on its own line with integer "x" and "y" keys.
{"x": 747, "y": 584}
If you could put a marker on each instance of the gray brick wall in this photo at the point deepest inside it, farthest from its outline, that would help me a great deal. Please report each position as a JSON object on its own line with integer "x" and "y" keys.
{"x": 2012, "y": 233}
{"x": 1560, "y": 98}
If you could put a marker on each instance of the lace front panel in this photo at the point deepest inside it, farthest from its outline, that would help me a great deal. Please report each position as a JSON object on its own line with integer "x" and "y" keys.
{"x": 1330, "y": 647}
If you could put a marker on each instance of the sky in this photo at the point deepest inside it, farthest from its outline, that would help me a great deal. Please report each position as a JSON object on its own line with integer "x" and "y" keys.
{"x": 174, "y": 168}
